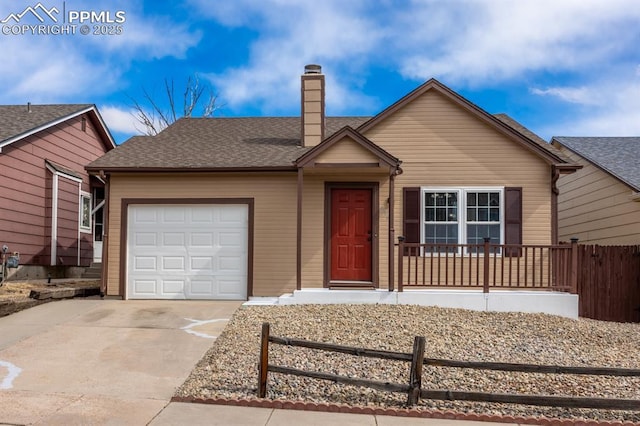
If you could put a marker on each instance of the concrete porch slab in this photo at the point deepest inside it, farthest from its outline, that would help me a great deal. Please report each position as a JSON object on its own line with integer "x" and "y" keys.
{"x": 546, "y": 302}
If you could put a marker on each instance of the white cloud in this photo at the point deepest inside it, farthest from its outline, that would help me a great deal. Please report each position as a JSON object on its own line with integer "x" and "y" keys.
{"x": 615, "y": 115}
{"x": 575, "y": 95}
{"x": 78, "y": 68}
{"x": 331, "y": 33}
{"x": 479, "y": 42}
{"x": 120, "y": 120}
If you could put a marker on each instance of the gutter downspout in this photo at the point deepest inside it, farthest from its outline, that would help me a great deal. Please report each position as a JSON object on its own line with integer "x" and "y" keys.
{"x": 392, "y": 231}
{"x": 299, "y": 231}
{"x": 54, "y": 219}
{"x": 555, "y": 175}
{"x": 105, "y": 236}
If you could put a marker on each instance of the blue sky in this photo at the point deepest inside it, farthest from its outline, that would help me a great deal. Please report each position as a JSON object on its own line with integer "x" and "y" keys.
{"x": 561, "y": 68}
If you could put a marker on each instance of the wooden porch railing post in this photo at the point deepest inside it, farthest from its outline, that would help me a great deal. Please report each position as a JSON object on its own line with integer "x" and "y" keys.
{"x": 415, "y": 376}
{"x": 574, "y": 265}
{"x": 263, "y": 366}
{"x": 486, "y": 265}
{"x": 400, "y": 261}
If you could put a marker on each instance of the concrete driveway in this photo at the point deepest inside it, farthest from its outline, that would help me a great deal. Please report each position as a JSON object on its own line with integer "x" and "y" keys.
{"x": 91, "y": 361}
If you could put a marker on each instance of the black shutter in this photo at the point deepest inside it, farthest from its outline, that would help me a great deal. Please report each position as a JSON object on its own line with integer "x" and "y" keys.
{"x": 513, "y": 219}
{"x": 411, "y": 216}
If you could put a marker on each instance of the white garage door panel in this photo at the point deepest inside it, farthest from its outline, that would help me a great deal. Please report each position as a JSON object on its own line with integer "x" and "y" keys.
{"x": 187, "y": 252}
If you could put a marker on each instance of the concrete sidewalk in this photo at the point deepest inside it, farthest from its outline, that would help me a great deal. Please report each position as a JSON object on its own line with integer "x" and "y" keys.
{"x": 178, "y": 413}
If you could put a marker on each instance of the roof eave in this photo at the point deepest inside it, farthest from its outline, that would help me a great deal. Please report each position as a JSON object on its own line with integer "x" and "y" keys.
{"x": 102, "y": 128}
{"x": 107, "y": 169}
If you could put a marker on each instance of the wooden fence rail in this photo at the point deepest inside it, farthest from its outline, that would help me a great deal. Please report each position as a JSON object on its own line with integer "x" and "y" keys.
{"x": 414, "y": 389}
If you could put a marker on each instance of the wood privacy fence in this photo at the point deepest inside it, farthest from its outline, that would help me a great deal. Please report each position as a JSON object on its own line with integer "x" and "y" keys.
{"x": 609, "y": 282}
{"x": 414, "y": 390}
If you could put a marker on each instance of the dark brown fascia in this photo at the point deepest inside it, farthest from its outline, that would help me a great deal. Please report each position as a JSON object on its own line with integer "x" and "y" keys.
{"x": 96, "y": 170}
{"x": 347, "y": 131}
{"x": 433, "y": 84}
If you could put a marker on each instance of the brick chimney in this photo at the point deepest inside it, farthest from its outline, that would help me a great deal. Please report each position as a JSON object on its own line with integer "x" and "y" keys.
{"x": 312, "y": 105}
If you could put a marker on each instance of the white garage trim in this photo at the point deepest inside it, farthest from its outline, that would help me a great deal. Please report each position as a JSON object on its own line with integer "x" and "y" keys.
{"x": 187, "y": 249}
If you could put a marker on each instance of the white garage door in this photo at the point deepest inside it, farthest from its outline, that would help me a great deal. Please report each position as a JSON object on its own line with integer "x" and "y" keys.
{"x": 187, "y": 251}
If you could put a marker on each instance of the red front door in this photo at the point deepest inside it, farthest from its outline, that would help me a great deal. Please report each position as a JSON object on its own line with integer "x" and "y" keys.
{"x": 351, "y": 235}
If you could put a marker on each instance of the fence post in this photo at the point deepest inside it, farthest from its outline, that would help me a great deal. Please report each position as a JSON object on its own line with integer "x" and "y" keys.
{"x": 574, "y": 265}
{"x": 400, "y": 261}
{"x": 486, "y": 265}
{"x": 263, "y": 366}
{"x": 415, "y": 376}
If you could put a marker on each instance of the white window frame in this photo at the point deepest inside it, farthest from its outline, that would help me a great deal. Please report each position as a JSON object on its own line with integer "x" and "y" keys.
{"x": 84, "y": 229}
{"x": 462, "y": 211}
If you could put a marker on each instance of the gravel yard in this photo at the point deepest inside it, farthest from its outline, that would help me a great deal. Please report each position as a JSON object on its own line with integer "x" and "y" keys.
{"x": 229, "y": 368}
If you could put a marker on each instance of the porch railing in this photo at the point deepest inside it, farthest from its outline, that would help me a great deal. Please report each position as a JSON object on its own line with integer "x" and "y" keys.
{"x": 487, "y": 265}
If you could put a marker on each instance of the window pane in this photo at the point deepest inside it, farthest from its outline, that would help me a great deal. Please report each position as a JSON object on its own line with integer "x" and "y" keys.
{"x": 441, "y": 199}
{"x": 494, "y": 233}
{"x": 429, "y": 215}
{"x": 452, "y": 215}
{"x": 429, "y": 198}
{"x": 494, "y": 199}
{"x": 471, "y": 198}
{"x": 471, "y": 215}
{"x": 483, "y": 199}
{"x": 453, "y": 199}
{"x": 86, "y": 212}
{"x": 441, "y": 215}
{"x": 483, "y": 214}
{"x": 494, "y": 214}
{"x": 429, "y": 232}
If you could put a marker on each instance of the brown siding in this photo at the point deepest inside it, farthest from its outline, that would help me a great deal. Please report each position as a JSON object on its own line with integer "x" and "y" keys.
{"x": 274, "y": 259}
{"x": 25, "y": 185}
{"x": 596, "y": 207}
{"x": 442, "y": 145}
{"x": 347, "y": 151}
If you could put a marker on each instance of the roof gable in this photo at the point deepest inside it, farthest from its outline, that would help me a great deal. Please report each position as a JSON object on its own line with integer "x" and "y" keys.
{"x": 544, "y": 152}
{"x": 347, "y": 133}
{"x": 617, "y": 156}
{"x": 20, "y": 121}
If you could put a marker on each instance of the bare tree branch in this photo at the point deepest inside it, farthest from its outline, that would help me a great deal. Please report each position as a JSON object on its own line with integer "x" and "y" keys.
{"x": 153, "y": 118}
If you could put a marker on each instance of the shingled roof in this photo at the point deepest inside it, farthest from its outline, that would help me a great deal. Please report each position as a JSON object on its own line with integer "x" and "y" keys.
{"x": 218, "y": 144}
{"x": 19, "y": 121}
{"x": 618, "y": 156}
{"x": 532, "y": 136}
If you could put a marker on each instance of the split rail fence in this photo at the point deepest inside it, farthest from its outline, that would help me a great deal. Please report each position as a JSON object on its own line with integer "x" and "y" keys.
{"x": 413, "y": 388}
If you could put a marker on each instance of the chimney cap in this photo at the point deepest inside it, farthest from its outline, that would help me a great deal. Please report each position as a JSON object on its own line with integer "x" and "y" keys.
{"x": 312, "y": 69}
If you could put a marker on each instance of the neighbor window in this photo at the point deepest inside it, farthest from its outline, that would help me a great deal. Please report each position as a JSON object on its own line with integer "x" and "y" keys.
{"x": 85, "y": 212}
{"x": 461, "y": 216}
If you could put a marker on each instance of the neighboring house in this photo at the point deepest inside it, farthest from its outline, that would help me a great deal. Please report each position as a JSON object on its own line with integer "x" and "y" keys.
{"x": 229, "y": 208}
{"x": 50, "y": 207}
{"x": 600, "y": 204}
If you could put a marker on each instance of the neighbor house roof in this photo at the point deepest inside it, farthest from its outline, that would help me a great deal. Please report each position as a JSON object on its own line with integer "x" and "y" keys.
{"x": 618, "y": 156}
{"x": 19, "y": 121}
{"x": 218, "y": 144}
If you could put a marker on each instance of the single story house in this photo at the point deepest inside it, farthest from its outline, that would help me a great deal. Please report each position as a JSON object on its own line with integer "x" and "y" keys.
{"x": 233, "y": 208}
{"x": 600, "y": 204}
{"x": 51, "y": 215}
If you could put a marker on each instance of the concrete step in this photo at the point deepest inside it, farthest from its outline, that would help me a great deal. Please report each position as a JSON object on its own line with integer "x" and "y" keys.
{"x": 94, "y": 271}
